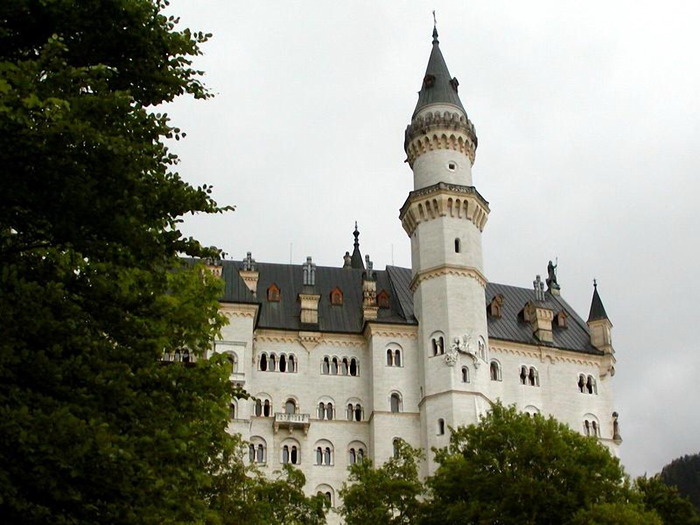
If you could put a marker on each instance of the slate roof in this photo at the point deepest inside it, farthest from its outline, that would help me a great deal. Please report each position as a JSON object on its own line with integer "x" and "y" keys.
{"x": 347, "y": 318}
{"x": 442, "y": 89}
{"x": 597, "y": 309}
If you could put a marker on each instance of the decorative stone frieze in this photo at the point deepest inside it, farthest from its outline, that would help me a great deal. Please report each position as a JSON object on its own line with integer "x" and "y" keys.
{"x": 440, "y": 130}
{"x": 447, "y": 269}
{"x": 444, "y": 200}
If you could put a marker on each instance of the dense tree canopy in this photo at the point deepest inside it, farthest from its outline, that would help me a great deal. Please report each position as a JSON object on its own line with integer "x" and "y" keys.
{"x": 666, "y": 501}
{"x": 389, "y": 494}
{"x": 517, "y": 468}
{"x": 93, "y": 428}
{"x": 684, "y": 474}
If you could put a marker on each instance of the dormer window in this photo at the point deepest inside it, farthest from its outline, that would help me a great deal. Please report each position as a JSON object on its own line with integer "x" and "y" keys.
{"x": 494, "y": 307}
{"x": 428, "y": 81}
{"x": 273, "y": 293}
{"x": 455, "y": 84}
{"x": 383, "y": 299}
{"x": 560, "y": 319}
{"x": 336, "y": 297}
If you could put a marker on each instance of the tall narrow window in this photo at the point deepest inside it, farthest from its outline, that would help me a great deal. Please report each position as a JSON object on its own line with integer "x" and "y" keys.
{"x": 258, "y": 407}
{"x": 495, "y": 370}
{"x": 354, "y": 367}
{"x": 441, "y": 427}
{"x": 458, "y": 245}
{"x": 397, "y": 358}
{"x": 273, "y": 363}
{"x": 267, "y": 408}
{"x": 389, "y": 358}
{"x": 326, "y": 366}
{"x": 294, "y": 456}
{"x": 395, "y": 402}
{"x": 290, "y": 407}
{"x": 263, "y": 362}
{"x": 334, "y": 366}
{"x": 292, "y": 364}
{"x": 465, "y": 374}
{"x": 397, "y": 447}
{"x": 329, "y": 411}
{"x": 345, "y": 366}
{"x": 582, "y": 383}
{"x": 283, "y": 363}
{"x": 523, "y": 375}
{"x": 261, "y": 454}
{"x": 321, "y": 411}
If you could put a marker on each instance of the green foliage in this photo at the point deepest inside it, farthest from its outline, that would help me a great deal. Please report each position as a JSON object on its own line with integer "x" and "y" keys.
{"x": 93, "y": 428}
{"x": 389, "y": 494}
{"x": 616, "y": 514}
{"x": 684, "y": 473}
{"x": 513, "y": 468}
{"x": 669, "y": 504}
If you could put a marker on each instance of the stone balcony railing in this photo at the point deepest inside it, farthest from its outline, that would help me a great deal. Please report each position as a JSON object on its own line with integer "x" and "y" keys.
{"x": 292, "y": 421}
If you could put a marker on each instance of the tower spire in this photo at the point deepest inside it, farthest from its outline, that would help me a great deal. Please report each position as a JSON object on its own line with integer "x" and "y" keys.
{"x": 435, "y": 31}
{"x": 356, "y": 261}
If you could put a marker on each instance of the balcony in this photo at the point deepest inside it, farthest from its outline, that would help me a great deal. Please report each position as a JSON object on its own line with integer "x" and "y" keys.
{"x": 292, "y": 422}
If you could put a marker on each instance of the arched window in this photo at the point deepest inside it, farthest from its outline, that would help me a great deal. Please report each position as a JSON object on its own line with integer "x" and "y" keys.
{"x": 397, "y": 357}
{"x": 336, "y": 297}
{"x": 594, "y": 428}
{"x": 290, "y": 407}
{"x": 329, "y": 411}
{"x": 260, "y": 456}
{"x": 290, "y": 454}
{"x": 326, "y": 366}
{"x": 321, "y": 410}
{"x": 334, "y": 366}
{"x": 283, "y": 363}
{"x": 395, "y": 402}
{"x": 273, "y": 293}
{"x": 533, "y": 377}
{"x": 185, "y": 356}
{"x": 435, "y": 346}
{"x": 582, "y": 383}
{"x": 587, "y": 427}
{"x": 251, "y": 453}
{"x": 389, "y": 358}
{"x": 352, "y": 456}
{"x": 273, "y": 363}
{"x": 458, "y": 245}
{"x": 441, "y": 427}
{"x": 267, "y": 408}
{"x": 324, "y": 453}
{"x": 397, "y": 447}
{"x": 354, "y": 367}
{"x": 263, "y": 362}
{"x": 257, "y": 450}
{"x": 523, "y": 375}
{"x": 232, "y": 411}
{"x": 178, "y": 355}
{"x": 258, "y": 407}
{"x": 319, "y": 456}
{"x": 345, "y": 366}
{"x": 358, "y": 412}
{"x": 591, "y": 387}
{"x": 495, "y": 371}
{"x": 292, "y": 364}
{"x": 327, "y": 456}
{"x": 383, "y": 299}
{"x": 465, "y": 374}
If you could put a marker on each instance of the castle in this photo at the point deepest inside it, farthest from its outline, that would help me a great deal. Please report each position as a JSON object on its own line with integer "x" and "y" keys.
{"x": 341, "y": 362}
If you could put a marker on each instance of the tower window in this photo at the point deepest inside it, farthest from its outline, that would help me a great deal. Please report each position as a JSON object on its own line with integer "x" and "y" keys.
{"x": 458, "y": 245}
{"x": 451, "y": 166}
{"x": 441, "y": 427}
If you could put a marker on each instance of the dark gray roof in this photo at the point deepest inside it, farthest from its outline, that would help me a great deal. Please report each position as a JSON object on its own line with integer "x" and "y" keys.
{"x": 597, "y": 309}
{"x": 347, "y": 318}
{"x": 438, "y": 86}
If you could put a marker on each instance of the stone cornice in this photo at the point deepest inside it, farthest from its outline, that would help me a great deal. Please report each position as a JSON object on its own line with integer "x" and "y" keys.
{"x": 398, "y": 331}
{"x": 309, "y": 338}
{"x": 447, "y": 269}
{"x": 440, "y": 130}
{"x": 444, "y": 200}
{"x": 542, "y": 353}
{"x": 239, "y": 310}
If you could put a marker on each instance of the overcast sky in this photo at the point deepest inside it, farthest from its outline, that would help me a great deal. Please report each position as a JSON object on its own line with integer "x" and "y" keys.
{"x": 588, "y": 122}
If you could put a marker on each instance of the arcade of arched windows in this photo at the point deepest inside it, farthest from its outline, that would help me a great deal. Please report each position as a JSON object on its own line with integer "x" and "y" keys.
{"x": 325, "y": 411}
{"x": 394, "y": 357}
{"x": 324, "y": 453}
{"x": 262, "y": 406}
{"x": 272, "y": 362}
{"x": 180, "y": 355}
{"x": 591, "y": 427}
{"x": 587, "y": 384}
{"x": 290, "y": 452}
{"x": 353, "y": 411}
{"x": 437, "y": 343}
{"x": 529, "y": 376}
{"x": 257, "y": 450}
{"x": 340, "y": 366}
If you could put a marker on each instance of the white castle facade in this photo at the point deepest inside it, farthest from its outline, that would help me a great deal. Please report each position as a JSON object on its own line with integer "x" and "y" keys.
{"x": 341, "y": 362}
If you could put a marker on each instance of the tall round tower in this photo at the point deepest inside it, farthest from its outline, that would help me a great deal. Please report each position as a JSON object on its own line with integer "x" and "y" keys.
{"x": 444, "y": 216}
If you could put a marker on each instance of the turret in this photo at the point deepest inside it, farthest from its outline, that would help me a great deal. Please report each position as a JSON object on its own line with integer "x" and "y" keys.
{"x": 600, "y": 329}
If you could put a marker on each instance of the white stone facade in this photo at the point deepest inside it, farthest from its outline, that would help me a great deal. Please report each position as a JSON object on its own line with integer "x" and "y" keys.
{"x": 342, "y": 365}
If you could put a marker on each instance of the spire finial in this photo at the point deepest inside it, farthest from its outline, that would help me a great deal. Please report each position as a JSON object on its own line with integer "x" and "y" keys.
{"x": 435, "y": 32}
{"x": 595, "y": 283}
{"x": 356, "y": 234}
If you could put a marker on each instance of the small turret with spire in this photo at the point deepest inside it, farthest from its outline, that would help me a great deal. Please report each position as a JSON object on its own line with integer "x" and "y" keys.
{"x": 600, "y": 329}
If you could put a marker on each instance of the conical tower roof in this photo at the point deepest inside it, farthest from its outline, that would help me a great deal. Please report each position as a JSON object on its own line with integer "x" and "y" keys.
{"x": 357, "y": 262}
{"x": 438, "y": 85}
{"x": 597, "y": 309}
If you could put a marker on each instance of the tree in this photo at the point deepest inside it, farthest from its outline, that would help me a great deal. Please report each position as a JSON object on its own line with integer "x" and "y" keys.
{"x": 93, "y": 427}
{"x": 262, "y": 501}
{"x": 666, "y": 500}
{"x": 616, "y": 514}
{"x": 684, "y": 473}
{"x": 516, "y": 468}
{"x": 389, "y": 494}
